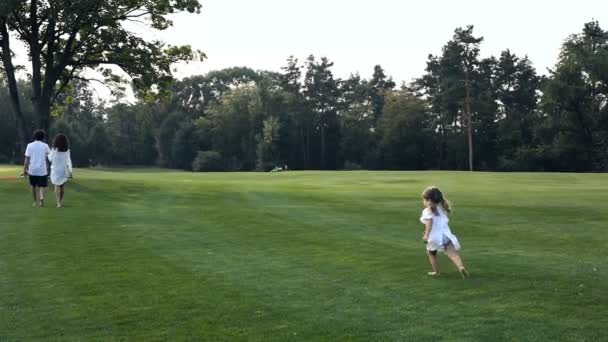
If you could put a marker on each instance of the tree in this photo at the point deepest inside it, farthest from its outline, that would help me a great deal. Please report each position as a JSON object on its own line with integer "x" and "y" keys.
{"x": 431, "y": 87}
{"x": 406, "y": 134}
{"x": 298, "y": 116}
{"x": 185, "y": 147}
{"x": 291, "y": 77}
{"x": 322, "y": 94}
{"x": 379, "y": 85}
{"x": 483, "y": 103}
{"x": 131, "y": 134}
{"x": 267, "y": 150}
{"x": 517, "y": 92}
{"x": 65, "y": 38}
{"x": 208, "y": 161}
{"x": 99, "y": 145}
{"x": 167, "y": 131}
{"x": 449, "y": 86}
{"x": 8, "y": 128}
{"x": 234, "y": 124}
{"x": 195, "y": 94}
{"x": 575, "y": 100}
{"x": 469, "y": 53}
{"x": 358, "y": 126}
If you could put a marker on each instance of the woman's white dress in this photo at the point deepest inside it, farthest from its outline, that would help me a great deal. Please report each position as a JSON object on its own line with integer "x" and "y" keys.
{"x": 61, "y": 166}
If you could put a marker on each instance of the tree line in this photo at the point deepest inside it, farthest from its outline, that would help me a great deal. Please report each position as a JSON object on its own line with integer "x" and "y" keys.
{"x": 464, "y": 113}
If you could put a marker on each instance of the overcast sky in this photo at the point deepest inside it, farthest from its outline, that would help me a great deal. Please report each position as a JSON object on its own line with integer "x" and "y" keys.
{"x": 358, "y": 34}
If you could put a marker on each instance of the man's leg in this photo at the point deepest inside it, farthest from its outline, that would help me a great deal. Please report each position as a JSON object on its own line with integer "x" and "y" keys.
{"x": 42, "y": 192}
{"x": 43, "y": 184}
{"x": 35, "y": 196}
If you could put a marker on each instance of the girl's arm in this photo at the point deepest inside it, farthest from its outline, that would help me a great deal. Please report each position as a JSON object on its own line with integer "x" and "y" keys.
{"x": 427, "y": 229}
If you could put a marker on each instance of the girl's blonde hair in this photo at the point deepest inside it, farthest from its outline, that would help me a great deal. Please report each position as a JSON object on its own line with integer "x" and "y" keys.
{"x": 436, "y": 198}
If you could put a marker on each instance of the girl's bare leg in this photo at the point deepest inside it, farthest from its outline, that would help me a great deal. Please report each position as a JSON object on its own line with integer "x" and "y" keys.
{"x": 434, "y": 262}
{"x": 455, "y": 257}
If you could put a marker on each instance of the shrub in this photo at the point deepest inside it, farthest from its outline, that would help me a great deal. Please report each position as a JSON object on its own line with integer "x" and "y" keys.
{"x": 350, "y": 166}
{"x": 208, "y": 161}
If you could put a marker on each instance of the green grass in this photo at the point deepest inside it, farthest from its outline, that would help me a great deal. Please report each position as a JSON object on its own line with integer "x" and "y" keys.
{"x": 140, "y": 255}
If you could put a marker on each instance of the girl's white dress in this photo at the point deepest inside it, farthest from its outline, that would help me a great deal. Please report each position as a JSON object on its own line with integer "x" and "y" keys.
{"x": 61, "y": 166}
{"x": 440, "y": 234}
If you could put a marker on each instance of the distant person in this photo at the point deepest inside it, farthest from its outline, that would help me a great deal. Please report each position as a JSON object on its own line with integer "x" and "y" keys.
{"x": 61, "y": 166}
{"x": 35, "y": 166}
{"x": 437, "y": 234}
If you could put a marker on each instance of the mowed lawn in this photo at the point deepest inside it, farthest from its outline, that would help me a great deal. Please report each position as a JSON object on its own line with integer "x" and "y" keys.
{"x": 314, "y": 256}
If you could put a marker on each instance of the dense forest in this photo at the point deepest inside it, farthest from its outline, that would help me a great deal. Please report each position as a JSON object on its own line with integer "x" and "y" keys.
{"x": 463, "y": 112}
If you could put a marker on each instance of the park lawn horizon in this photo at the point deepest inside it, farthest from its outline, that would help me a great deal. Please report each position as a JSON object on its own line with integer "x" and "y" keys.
{"x": 149, "y": 254}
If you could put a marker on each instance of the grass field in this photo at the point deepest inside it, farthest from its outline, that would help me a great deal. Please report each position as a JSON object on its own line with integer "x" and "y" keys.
{"x": 154, "y": 255}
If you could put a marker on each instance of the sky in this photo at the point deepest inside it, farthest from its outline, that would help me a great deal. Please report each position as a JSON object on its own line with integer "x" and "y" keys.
{"x": 357, "y": 34}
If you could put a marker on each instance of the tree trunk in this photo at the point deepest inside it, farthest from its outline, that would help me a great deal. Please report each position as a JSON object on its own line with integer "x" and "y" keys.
{"x": 38, "y": 101}
{"x": 22, "y": 131}
{"x": 9, "y": 68}
{"x": 441, "y": 145}
{"x": 323, "y": 164}
{"x": 467, "y": 109}
{"x": 307, "y": 157}
{"x": 470, "y": 136}
{"x": 42, "y": 113}
{"x": 302, "y": 148}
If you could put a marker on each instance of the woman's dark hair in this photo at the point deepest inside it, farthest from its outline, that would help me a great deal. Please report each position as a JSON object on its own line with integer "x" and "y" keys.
{"x": 61, "y": 143}
{"x": 39, "y": 135}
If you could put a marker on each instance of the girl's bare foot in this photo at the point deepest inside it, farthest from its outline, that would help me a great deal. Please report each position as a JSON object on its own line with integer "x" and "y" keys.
{"x": 41, "y": 203}
{"x": 433, "y": 274}
{"x": 464, "y": 273}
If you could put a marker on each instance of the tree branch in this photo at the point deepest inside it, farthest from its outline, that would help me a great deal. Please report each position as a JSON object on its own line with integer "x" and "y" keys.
{"x": 20, "y": 26}
{"x": 35, "y": 53}
{"x": 50, "y": 34}
{"x": 128, "y": 16}
{"x": 135, "y": 21}
{"x": 49, "y": 40}
{"x": 93, "y": 62}
{"x": 92, "y": 80}
{"x": 64, "y": 83}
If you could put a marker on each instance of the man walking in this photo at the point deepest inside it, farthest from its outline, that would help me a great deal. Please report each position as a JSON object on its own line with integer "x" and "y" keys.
{"x": 36, "y": 167}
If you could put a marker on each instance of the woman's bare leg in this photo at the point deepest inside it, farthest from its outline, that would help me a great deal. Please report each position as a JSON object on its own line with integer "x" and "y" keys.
{"x": 61, "y": 194}
{"x": 57, "y": 196}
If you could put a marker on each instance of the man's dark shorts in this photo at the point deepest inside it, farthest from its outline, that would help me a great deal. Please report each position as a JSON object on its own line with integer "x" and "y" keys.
{"x": 39, "y": 181}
